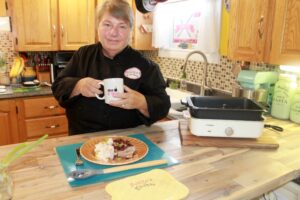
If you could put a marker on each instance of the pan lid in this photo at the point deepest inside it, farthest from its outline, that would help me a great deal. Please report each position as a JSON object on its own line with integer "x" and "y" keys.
{"x": 146, "y": 6}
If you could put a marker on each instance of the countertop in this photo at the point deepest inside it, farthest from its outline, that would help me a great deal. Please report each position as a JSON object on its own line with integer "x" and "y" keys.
{"x": 18, "y": 92}
{"x": 210, "y": 173}
{"x": 175, "y": 95}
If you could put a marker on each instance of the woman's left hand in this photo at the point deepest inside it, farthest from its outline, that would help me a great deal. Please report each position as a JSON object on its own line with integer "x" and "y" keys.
{"x": 131, "y": 99}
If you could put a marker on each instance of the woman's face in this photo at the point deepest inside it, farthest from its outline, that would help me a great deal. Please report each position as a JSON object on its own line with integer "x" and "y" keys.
{"x": 114, "y": 34}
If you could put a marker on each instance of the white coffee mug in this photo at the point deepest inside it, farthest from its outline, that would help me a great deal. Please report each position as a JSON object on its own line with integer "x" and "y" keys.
{"x": 111, "y": 86}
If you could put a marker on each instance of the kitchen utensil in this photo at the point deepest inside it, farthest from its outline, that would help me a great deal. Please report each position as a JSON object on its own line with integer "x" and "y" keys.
{"x": 265, "y": 141}
{"x": 230, "y": 108}
{"x": 225, "y": 117}
{"x": 87, "y": 150}
{"x": 146, "y": 6}
{"x": 78, "y": 160}
{"x": 86, "y": 173}
{"x": 226, "y": 128}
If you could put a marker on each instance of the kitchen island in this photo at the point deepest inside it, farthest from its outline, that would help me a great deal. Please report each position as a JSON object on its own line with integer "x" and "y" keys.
{"x": 209, "y": 172}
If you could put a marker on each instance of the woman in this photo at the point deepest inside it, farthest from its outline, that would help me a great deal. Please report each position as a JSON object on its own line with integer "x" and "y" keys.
{"x": 144, "y": 100}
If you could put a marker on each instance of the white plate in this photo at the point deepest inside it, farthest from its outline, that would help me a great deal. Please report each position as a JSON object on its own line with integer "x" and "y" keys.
{"x": 87, "y": 150}
{"x": 30, "y": 83}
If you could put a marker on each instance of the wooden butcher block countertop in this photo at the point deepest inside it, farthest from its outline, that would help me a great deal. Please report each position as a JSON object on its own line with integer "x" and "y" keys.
{"x": 209, "y": 172}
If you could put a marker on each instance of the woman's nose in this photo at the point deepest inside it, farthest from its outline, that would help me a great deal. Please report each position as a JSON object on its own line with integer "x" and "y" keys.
{"x": 114, "y": 30}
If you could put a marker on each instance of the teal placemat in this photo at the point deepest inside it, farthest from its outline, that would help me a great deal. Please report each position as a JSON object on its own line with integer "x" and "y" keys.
{"x": 67, "y": 159}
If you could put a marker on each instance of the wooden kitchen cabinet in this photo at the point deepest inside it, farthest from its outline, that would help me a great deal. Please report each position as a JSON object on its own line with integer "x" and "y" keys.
{"x": 3, "y": 8}
{"x": 286, "y": 33}
{"x": 8, "y": 122}
{"x": 41, "y": 115}
{"x": 249, "y": 20}
{"x": 76, "y": 23}
{"x": 142, "y": 30}
{"x": 50, "y": 25}
{"x": 265, "y": 31}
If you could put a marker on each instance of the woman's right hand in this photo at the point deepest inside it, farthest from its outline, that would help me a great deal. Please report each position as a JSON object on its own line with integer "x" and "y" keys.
{"x": 87, "y": 87}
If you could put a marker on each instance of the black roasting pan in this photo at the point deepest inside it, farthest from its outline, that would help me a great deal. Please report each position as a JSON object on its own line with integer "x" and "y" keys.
{"x": 228, "y": 108}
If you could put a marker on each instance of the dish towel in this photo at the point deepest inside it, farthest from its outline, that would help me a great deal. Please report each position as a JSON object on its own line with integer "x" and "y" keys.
{"x": 156, "y": 184}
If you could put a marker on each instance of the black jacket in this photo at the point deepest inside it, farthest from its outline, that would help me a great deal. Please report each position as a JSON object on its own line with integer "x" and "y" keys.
{"x": 90, "y": 114}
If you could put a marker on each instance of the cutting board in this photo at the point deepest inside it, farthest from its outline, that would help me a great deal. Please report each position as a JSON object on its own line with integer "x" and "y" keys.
{"x": 263, "y": 142}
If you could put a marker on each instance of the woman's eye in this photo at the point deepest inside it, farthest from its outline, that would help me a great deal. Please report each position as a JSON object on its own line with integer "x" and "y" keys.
{"x": 106, "y": 25}
{"x": 123, "y": 27}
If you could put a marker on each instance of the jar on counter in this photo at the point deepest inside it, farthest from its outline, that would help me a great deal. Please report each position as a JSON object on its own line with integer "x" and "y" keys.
{"x": 283, "y": 93}
{"x": 28, "y": 74}
{"x": 295, "y": 106}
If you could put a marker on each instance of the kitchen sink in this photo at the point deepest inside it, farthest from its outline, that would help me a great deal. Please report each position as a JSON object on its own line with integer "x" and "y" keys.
{"x": 178, "y": 106}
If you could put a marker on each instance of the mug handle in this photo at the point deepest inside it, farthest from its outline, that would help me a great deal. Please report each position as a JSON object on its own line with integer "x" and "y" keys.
{"x": 97, "y": 95}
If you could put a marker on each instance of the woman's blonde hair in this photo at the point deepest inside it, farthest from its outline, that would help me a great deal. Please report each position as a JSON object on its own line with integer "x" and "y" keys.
{"x": 118, "y": 8}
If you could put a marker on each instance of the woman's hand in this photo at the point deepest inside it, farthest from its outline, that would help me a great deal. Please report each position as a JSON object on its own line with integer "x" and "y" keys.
{"x": 87, "y": 87}
{"x": 131, "y": 99}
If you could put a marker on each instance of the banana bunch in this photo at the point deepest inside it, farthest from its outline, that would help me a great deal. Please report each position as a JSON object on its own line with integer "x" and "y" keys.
{"x": 17, "y": 67}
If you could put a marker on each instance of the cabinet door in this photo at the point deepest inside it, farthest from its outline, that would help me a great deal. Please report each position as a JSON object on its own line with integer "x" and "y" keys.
{"x": 286, "y": 33}
{"x": 8, "y": 122}
{"x": 2, "y": 8}
{"x": 142, "y": 30}
{"x": 248, "y": 29}
{"x": 77, "y": 23}
{"x": 35, "y": 23}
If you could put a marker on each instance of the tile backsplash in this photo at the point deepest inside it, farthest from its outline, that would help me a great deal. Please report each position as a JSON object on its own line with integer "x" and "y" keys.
{"x": 6, "y": 46}
{"x": 219, "y": 75}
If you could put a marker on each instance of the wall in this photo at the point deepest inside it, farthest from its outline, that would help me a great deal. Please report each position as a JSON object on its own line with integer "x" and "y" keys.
{"x": 219, "y": 76}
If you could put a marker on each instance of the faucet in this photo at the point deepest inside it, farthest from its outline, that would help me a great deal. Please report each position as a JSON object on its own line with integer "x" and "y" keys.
{"x": 203, "y": 84}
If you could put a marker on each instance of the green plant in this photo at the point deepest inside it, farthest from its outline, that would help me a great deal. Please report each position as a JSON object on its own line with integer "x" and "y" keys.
{"x": 2, "y": 62}
{"x": 174, "y": 84}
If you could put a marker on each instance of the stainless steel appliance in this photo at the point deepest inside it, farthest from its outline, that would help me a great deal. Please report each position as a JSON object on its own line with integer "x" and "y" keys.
{"x": 60, "y": 60}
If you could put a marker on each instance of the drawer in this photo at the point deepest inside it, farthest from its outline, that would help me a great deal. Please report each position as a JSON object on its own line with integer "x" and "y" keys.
{"x": 46, "y": 125}
{"x": 39, "y": 107}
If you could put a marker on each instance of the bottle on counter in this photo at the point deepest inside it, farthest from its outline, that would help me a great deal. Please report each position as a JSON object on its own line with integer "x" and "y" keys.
{"x": 295, "y": 106}
{"x": 283, "y": 93}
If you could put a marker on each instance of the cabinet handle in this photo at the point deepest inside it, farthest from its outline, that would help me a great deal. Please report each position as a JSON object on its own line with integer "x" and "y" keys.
{"x": 50, "y": 107}
{"x": 54, "y": 31}
{"x": 260, "y": 25}
{"x": 52, "y": 126}
{"x": 62, "y": 30}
